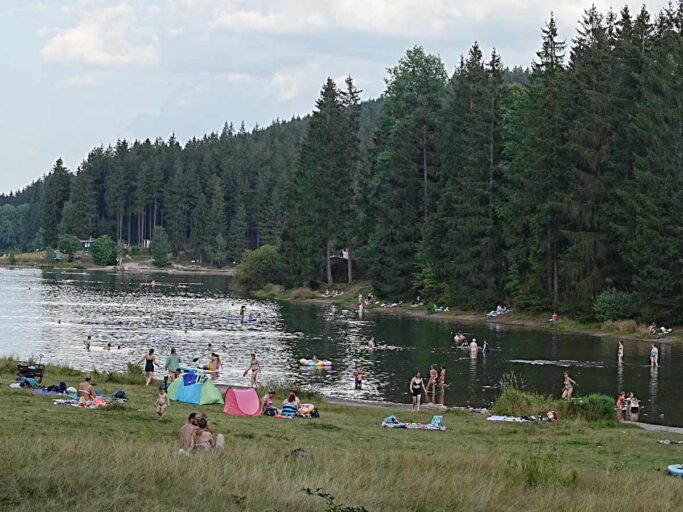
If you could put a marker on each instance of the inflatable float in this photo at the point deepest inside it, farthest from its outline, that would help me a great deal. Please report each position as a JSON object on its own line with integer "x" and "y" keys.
{"x": 320, "y": 363}
{"x": 676, "y": 470}
{"x": 250, "y": 320}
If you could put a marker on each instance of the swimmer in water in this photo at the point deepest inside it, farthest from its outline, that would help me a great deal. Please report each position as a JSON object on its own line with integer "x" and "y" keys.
{"x": 371, "y": 343}
{"x": 620, "y": 353}
{"x": 87, "y": 343}
{"x": 243, "y": 311}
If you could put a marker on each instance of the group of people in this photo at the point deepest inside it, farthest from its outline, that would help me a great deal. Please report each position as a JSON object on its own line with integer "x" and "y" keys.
{"x": 88, "y": 343}
{"x": 629, "y": 405}
{"x": 291, "y": 406}
{"x": 173, "y": 366}
{"x": 472, "y": 346}
{"x": 656, "y": 331}
{"x": 437, "y": 378}
{"x": 654, "y": 354}
{"x": 197, "y": 435}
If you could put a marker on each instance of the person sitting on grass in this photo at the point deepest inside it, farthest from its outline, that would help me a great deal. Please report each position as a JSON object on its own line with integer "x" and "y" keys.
{"x": 290, "y": 407}
{"x": 202, "y": 439}
{"x": 86, "y": 391}
{"x": 187, "y": 432}
{"x": 267, "y": 408}
{"x": 162, "y": 402}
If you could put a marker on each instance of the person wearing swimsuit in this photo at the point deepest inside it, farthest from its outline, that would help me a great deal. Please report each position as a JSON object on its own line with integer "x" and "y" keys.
{"x": 214, "y": 366}
{"x": 433, "y": 378}
{"x": 654, "y": 356}
{"x": 568, "y": 389}
{"x": 255, "y": 368}
{"x": 620, "y": 353}
{"x": 416, "y": 387}
{"x": 202, "y": 439}
{"x": 442, "y": 377}
{"x": 150, "y": 361}
{"x": 162, "y": 402}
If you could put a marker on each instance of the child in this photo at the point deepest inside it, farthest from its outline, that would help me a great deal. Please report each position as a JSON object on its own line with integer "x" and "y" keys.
{"x": 162, "y": 402}
{"x": 357, "y": 379}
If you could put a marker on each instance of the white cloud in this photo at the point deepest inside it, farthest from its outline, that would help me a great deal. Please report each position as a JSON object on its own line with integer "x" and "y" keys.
{"x": 104, "y": 36}
{"x": 269, "y": 23}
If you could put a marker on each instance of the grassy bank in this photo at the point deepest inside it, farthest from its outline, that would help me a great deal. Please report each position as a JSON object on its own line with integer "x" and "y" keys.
{"x": 627, "y": 329}
{"x": 60, "y": 458}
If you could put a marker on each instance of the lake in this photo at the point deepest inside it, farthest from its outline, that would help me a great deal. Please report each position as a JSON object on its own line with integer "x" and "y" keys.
{"x": 50, "y": 313}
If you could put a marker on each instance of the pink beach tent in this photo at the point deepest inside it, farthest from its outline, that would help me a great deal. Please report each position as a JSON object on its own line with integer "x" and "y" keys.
{"x": 242, "y": 402}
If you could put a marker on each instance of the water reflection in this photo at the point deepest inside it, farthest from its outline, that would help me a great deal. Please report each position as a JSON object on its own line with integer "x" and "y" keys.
{"x": 51, "y": 313}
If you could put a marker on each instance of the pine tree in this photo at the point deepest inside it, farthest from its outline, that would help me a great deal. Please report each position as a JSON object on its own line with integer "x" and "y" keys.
{"x": 237, "y": 241}
{"x": 57, "y": 189}
{"x": 536, "y": 178}
{"x": 405, "y": 166}
{"x": 463, "y": 241}
{"x": 653, "y": 198}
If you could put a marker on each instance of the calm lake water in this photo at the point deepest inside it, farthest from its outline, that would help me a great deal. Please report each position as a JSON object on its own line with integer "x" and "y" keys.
{"x": 52, "y": 312}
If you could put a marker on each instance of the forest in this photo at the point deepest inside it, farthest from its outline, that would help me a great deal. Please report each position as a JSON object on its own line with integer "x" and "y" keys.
{"x": 556, "y": 187}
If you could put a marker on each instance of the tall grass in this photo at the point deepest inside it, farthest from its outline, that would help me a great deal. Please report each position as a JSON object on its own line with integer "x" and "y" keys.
{"x": 59, "y": 458}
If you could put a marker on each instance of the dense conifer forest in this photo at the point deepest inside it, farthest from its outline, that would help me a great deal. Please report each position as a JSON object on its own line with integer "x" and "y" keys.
{"x": 545, "y": 188}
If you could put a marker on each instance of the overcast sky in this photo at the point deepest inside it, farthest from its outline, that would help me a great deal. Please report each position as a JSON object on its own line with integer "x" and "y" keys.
{"x": 80, "y": 73}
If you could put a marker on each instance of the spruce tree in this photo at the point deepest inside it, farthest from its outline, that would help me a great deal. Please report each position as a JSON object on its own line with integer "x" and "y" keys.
{"x": 57, "y": 189}
{"x": 405, "y": 166}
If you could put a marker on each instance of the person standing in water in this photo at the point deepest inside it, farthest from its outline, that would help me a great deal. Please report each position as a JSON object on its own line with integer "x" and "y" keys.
{"x": 568, "y": 389}
{"x": 87, "y": 343}
{"x": 620, "y": 352}
{"x": 654, "y": 356}
{"x": 431, "y": 383}
{"x": 474, "y": 348}
{"x": 416, "y": 387}
{"x": 243, "y": 312}
{"x": 371, "y": 343}
{"x": 150, "y": 361}
{"x": 255, "y": 368}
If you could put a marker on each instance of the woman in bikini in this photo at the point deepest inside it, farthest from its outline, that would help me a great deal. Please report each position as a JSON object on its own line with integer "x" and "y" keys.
{"x": 214, "y": 365}
{"x": 620, "y": 353}
{"x": 202, "y": 439}
{"x": 416, "y": 387}
{"x": 568, "y": 389}
{"x": 255, "y": 368}
{"x": 433, "y": 378}
{"x": 150, "y": 361}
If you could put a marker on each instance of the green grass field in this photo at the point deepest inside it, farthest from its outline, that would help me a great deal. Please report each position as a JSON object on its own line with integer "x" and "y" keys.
{"x": 61, "y": 458}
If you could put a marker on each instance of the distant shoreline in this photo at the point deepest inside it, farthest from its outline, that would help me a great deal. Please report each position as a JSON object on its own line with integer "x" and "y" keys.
{"x": 132, "y": 268}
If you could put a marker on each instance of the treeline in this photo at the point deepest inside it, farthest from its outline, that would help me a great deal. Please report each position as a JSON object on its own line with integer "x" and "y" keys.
{"x": 550, "y": 188}
{"x": 477, "y": 191}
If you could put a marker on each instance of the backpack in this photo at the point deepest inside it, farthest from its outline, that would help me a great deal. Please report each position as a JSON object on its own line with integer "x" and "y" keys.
{"x": 271, "y": 411}
{"x": 121, "y": 395}
{"x": 315, "y": 413}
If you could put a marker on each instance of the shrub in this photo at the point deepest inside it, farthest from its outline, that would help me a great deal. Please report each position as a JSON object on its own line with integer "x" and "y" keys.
{"x": 593, "y": 407}
{"x": 12, "y": 257}
{"x": 69, "y": 244}
{"x": 159, "y": 247}
{"x": 612, "y": 305}
{"x": 258, "y": 268}
{"x": 103, "y": 251}
{"x": 515, "y": 402}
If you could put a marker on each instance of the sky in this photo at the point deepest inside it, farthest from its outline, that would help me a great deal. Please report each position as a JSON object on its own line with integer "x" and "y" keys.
{"x": 81, "y": 73}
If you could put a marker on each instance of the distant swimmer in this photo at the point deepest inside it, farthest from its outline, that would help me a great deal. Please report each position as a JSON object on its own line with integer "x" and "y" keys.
{"x": 371, "y": 343}
{"x": 107, "y": 347}
{"x": 620, "y": 352}
{"x": 87, "y": 343}
{"x": 474, "y": 348}
{"x": 243, "y": 312}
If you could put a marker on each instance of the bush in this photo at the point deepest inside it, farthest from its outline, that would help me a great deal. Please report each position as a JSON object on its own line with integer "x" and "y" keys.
{"x": 103, "y": 251}
{"x": 159, "y": 247}
{"x": 12, "y": 258}
{"x": 593, "y": 407}
{"x": 612, "y": 305}
{"x": 258, "y": 268}
{"x": 69, "y": 244}
{"x": 515, "y": 402}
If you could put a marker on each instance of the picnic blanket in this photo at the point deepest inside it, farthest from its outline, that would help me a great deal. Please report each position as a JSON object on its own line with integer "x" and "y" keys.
{"x": 436, "y": 424}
